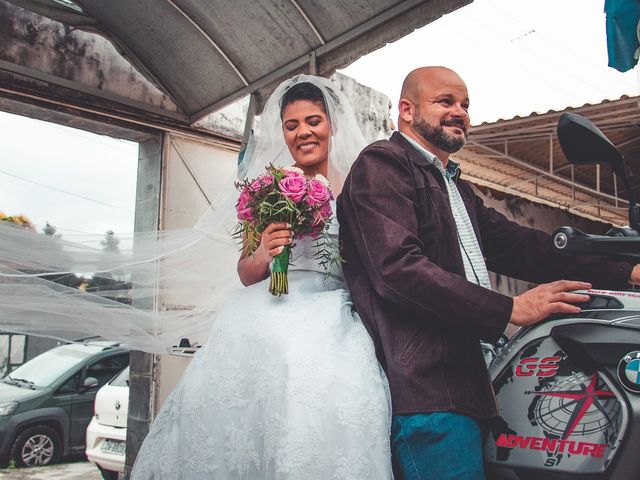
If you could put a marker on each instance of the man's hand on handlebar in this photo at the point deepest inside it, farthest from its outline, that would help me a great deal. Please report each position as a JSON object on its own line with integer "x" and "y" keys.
{"x": 549, "y": 298}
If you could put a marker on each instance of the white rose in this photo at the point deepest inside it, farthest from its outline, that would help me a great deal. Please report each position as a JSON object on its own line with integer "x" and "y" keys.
{"x": 294, "y": 169}
{"x": 322, "y": 179}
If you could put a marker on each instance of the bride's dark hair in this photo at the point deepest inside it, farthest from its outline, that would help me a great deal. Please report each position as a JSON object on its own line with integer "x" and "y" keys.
{"x": 302, "y": 91}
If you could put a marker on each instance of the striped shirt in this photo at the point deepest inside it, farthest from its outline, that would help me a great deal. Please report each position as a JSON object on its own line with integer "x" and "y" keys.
{"x": 475, "y": 268}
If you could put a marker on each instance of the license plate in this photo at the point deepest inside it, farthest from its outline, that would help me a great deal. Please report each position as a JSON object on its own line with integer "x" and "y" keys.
{"x": 113, "y": 446}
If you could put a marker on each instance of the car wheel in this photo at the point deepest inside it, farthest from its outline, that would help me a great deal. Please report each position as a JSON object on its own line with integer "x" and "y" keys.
{"x": 38, "y": 445}
{"x": 107, "y": 474}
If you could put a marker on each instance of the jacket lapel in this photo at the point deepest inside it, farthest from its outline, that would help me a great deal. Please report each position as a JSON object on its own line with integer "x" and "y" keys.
{"x": 416, "y": 157}
{"x": 464, "y": 189}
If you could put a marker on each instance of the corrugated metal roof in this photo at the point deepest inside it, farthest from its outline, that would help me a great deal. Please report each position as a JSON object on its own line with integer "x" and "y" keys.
{"x": 522, "y": 156}
{"x": 551, "y": 111}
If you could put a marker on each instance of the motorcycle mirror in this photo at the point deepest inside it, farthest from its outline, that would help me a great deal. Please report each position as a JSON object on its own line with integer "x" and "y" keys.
{"x": 584, "y": 144}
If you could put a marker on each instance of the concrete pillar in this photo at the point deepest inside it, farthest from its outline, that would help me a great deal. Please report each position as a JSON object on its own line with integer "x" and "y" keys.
{"x": 141, "y": 377}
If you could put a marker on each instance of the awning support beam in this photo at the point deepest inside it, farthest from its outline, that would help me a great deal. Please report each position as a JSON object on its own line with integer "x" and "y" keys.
{"x": 96, "y": 92}
{"x": 213, "y": 43}
{"x": 248, "y": 125}
{"x": 309, "y": 22}
{"x": 313, "y": 64}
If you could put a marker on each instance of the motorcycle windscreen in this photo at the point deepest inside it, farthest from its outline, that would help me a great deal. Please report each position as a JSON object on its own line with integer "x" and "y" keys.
{"x": 552, "y": 416}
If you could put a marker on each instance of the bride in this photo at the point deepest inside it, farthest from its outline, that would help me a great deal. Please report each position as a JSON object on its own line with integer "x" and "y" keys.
{"x": 286, "y": 387}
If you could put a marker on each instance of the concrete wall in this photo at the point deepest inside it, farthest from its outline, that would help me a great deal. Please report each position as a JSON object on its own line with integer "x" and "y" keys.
{"x": 193, "y": 175}
{"x": 193, "y": 172}
{"x": 371, "y": 107}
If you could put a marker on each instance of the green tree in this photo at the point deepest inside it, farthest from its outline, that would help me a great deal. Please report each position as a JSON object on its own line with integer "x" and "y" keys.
{"x": 50, "y": 231}
{"x": 110, "y": 242}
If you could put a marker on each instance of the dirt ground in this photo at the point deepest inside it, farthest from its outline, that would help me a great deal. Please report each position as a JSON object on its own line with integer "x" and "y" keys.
{"x": 78, "y": 470}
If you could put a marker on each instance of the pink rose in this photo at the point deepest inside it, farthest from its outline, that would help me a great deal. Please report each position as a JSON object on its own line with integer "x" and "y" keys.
{"x": 326, "y": 210}
{"x": 294, "y": 186}
{"x": 244, "y": 212}
{"x": 321, "y": 215}
{"x": 261, "y": 182}
{"x": 295, "y": 173}
{"x": 318, "y": 193}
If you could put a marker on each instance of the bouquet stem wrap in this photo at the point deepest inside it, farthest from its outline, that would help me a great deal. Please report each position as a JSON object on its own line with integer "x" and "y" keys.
{"x": 279, "y": 283}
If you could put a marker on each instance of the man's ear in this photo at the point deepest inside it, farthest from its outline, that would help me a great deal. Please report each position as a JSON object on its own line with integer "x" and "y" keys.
{"x": 405, "y": 110}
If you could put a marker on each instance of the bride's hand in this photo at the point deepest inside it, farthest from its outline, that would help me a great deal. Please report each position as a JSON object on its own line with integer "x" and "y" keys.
{"x": 273, "y": 240}
{"x": 255, "y": 268}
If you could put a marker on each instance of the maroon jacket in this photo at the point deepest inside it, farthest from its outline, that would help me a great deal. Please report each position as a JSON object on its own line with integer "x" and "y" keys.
{"x": 406, "y": 277}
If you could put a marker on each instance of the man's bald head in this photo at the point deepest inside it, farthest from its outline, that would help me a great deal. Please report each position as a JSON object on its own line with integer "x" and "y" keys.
{"x": 433, "y": 110}
{"x": 421, "y": 80}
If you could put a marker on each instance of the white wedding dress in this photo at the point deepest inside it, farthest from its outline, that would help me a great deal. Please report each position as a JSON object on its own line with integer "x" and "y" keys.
{"x": 286, "y": 388}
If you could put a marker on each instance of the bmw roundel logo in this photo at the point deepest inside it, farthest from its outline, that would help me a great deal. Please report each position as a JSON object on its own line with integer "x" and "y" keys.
{"x": 629, "y": 371}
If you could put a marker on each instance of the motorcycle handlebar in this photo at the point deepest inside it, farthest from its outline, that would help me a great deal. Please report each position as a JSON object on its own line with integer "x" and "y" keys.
{"x": 621, "y": 243}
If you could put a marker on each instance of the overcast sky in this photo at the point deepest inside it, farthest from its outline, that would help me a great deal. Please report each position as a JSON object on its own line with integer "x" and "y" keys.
{"x": 517, "y": 56}
{"x": 71, "y": 178}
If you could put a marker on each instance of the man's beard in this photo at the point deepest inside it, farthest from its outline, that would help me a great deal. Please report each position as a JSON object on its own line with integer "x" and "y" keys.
{"x": 437, "y": 137}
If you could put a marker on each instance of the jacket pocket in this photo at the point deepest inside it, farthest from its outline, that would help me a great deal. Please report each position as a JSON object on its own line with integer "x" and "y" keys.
{"x": 412, "y": 346}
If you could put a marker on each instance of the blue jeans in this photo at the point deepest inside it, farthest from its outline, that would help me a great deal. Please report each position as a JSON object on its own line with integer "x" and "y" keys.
{"x": 436, "y": 446}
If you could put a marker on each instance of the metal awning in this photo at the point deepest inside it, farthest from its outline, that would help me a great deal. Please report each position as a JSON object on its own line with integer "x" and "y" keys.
{"x": 522, "y": 156}
{"x": 205, "y": 54}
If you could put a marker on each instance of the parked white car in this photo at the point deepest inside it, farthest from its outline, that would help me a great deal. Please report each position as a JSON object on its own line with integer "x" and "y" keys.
{"x": 107, "y": 432}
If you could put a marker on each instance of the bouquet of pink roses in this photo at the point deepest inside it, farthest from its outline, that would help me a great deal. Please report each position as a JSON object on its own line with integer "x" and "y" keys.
{"x": 284, "y": 195}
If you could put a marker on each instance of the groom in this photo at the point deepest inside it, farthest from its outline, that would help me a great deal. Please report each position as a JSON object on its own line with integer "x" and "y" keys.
{"x": 418, "y": 241}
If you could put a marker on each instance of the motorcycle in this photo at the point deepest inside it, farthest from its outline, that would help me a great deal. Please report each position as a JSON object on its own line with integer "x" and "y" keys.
{"x": 568, "y": 388}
